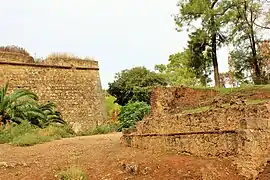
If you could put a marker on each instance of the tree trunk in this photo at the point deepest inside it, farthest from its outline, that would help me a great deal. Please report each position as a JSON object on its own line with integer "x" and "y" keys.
{"x": 256, "y": 68}
{"x": 214, "y": 59}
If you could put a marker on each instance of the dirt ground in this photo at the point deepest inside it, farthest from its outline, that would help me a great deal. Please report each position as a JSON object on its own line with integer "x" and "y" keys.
{"x": 104, "y": 158}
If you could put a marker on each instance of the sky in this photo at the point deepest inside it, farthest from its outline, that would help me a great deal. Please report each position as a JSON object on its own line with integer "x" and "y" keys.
{"x": 119, "y": 34}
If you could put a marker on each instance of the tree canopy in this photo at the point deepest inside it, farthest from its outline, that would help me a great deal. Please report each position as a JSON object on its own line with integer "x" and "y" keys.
{"x": 134, "y": 85}
{"x": 192, "y": 66}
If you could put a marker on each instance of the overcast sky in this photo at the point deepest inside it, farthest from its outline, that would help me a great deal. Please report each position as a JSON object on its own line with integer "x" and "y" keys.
{"x": 120, "y": 34}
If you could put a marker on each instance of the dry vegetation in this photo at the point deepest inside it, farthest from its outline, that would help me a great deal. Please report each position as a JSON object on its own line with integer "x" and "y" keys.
{"x": 14, "y": 49}
{"x": 66, "y": 56}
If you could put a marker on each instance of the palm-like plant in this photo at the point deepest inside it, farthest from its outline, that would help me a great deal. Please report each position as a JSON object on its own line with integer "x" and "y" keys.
{"x": 22, "y": 105}
{"x": 16, "y": 105}
{"x": 51, "y": 114}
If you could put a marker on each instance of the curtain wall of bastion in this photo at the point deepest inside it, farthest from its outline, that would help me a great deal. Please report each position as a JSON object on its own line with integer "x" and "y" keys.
{"x": 72, "y": 83}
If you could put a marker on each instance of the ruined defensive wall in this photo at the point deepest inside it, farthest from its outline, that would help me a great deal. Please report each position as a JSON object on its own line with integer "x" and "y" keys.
{"x": 72, "y": 83}
{"x": 238, "y": 131}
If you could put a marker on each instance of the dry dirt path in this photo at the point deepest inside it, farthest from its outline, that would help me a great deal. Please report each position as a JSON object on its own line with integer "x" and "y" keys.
{"x": 102, "y": 157}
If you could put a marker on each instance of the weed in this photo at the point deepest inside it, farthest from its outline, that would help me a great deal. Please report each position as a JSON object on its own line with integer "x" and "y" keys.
{"x": 26, "y": 134}
{"x": 72, "y": 173}
{"x": 102, "y": 129}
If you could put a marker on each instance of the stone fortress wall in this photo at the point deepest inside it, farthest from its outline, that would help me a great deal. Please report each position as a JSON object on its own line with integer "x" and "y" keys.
{"x": 227, "y": 128}
{"x": 72, "y": 83}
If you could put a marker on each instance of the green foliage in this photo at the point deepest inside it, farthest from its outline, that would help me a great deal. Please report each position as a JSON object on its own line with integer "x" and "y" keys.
{"x": 177, "y": 71}
{"x": 132, "y": 113}
{"x": 72, "y": 173}
{"x": 213, "y": 15}
{"x": 244, "y": 32}
{"x": 241, "y": 64}
{"x": 134, "y": 85}
{"x": 192, "y": 66}
{"x": 26, "y": 134}
{"x": 112, "y": 108}
{"x": 22, "y": 105}
{"x": 101, "y": 129}
{"x": 29, "y": 139}
{"x": 200, "y": 56}
{"x": 51, "y": 114}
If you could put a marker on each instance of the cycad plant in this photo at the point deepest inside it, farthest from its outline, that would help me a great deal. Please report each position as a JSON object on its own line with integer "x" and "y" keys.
{"x": 22, "y": 105}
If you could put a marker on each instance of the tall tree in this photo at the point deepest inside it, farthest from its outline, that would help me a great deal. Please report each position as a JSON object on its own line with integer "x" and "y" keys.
{"x": 192, "y": 66}
{"x": 200, "y": 56}
{"x": 210, "y": 13}
{"x": 244, "y": 32}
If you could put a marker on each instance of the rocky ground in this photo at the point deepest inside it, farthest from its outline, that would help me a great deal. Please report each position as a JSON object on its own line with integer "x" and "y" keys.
{"x": 103, "y": 157}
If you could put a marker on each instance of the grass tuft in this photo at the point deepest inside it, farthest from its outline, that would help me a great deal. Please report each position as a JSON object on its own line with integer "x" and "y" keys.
{"x": 72, "y": 173}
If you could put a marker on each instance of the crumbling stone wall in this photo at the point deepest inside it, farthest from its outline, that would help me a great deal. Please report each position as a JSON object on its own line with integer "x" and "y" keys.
{"x": 253, "y": 146}
{"x": 212, "y": 143}
{"x": 175, "y": 99}
{"x": 213, "y": 119}
{"x": 238, "y": 131}
{"x": 74, "y": 85}
{"x": 15, "y": 56}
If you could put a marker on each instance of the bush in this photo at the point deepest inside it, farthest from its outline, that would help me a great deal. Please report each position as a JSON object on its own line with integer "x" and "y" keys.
{"x": 101, "y": 129}
{"x": 132, "y": 113}
{"x": 73, "y": 173}
{"x": 26, "y": 134}
{"x": 112, "y": 109}
{"x": 22, "y": 104}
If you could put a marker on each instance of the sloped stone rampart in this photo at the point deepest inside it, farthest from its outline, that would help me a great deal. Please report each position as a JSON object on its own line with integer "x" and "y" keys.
{"x": 74, "y": 85}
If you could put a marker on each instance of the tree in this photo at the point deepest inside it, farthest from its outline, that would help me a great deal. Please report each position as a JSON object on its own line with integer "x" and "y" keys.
{"x": 177, "y": 71}
{"x": 200, "y": 56}
{"x": 134, "y": 85}
{"x": 241, "y": 62}
{"x": 211, "y": 13}
{"x": 192, "y": 66}
{"x": 244, "y": 33}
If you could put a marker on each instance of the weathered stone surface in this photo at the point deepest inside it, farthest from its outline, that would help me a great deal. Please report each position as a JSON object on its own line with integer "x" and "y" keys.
{"x": 228, "y": 118}
{"x": 15, "y": 57}
{"x": 175, "y": 99}
{"x": 76, "y": 90}
{"x": 237, "y": 131}
{"x": 198, "y": 144}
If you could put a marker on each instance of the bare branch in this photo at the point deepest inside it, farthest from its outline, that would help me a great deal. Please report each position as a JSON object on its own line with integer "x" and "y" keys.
{"x": 260, "y": 26}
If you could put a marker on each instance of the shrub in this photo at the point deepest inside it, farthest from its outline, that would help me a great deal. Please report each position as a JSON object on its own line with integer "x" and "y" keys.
{"x": 101, "y": 129}
{"x": 21, "y": 105}
{"x": 26, "y": 134}
{"x": 132, "y": 113}
{"x": 72, "y": 173}
{"x": 29, "y": 139}
{"x": 112, "y": 108}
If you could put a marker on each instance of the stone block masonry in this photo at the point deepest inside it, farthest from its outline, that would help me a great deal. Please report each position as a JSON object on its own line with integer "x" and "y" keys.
{"x": 237, "y": 131}
{"x": 73, "y": 84}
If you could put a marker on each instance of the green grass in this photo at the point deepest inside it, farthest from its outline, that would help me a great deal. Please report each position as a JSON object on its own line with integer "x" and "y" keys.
{"x": 102, "y": 129}
{"x": 244, "y": 88}
{"x": 26, "y": 134}
{"x": 205, "y": 108}
{"x": 72, "y": 173}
